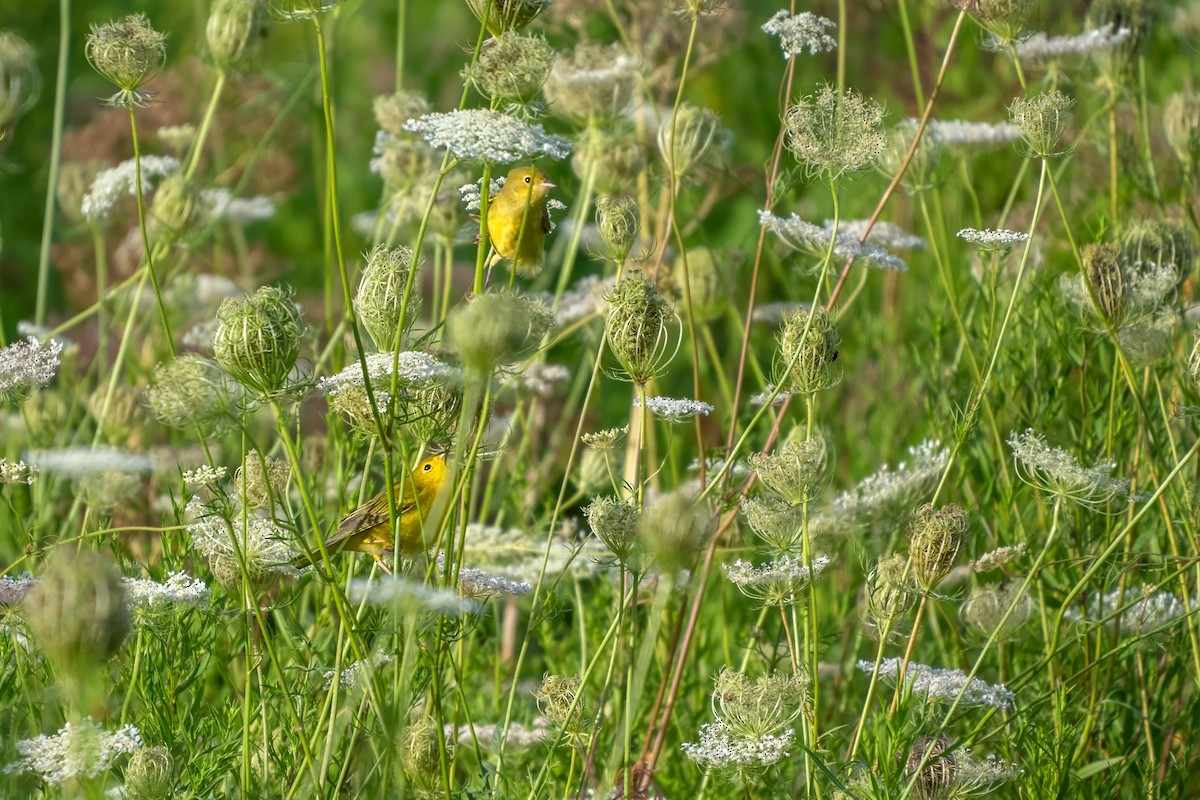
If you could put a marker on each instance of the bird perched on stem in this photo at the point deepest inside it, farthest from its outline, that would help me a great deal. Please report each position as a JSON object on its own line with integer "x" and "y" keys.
{"x": 368, "y": 529}
{"x": 517, "y": 221}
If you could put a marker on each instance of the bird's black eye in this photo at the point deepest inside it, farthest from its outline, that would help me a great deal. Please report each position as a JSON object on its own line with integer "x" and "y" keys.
{"x": 527, "y": 179}
{"x": 428, "y": 467}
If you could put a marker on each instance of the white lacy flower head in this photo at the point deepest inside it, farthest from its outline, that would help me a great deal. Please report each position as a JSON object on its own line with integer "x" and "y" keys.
{"x": 351, "y": 675}
{"x": 480, "y": 134}
{"x": 78, "y": 750}
{"x": 80, "y": 462}
{"x": 407, "y": 596}
{"x": 415, "y": 370}
{"x": 1059, "y": 473}
{"x": 517, "y": 554}
{"x": 945, "y": 684}
{"x": 482, "y": 585}
{"x": 584, "y": 299}
{"x": 12, "y": 472}
{"x": 26, "y": 366}
{"x": 113, "y": 184}
{"x": 203, "y": 476}
{"x": 471, "y": 194}
{"x": 540, "y": 378}
{"x": 720, "y": 748}
{"x": 989, "y": 239}
{"x": 1041, "y": 48}
{"x": 889, "y": 489}
{"x": 800, "y": 32}
{"x": 13, "y": 591}
{"x": 884, "y": 234}
{"x": 223, "y": 206}
{"x": 782, "y": 582}
{"x": 770, "y": 395}
{"x": 975, "y": 135}
{"x": 180, "y": 589}
{"x": 672, "y": 409}
{"x": 1133, "y": 613}
{"x": 265, "y": 543}
{"x": 815, "y": 240}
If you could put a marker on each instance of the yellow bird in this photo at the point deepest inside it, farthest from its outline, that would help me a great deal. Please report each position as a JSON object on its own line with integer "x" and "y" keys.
{"x": 367, "y": 529}
{"x": 517, "y": 220}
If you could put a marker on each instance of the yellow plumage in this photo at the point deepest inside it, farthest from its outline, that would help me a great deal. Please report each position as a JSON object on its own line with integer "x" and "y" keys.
{"x": 367, "y": 528}
{"x": 517, "y": 220}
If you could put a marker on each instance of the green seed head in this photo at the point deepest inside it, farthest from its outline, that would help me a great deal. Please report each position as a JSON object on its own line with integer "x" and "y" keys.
{"x": 692, "y": 142}
{"x": 676, "y": 528}
{"x": 258, "y": 338}
{"x": 758, "y": 707}
{"x": 192, "y": 393}
{"x": 807, "y": 360}
{"x": 176, "y": 208}
{"x": 1004, "y": 19}
{"x": 935, "y": 536}
{"x": 778, "y": 524}
{"x": 555, "y": 698}
{"x": 984, "y": 612}
{"x": 1109, "y": 289}
{"x": 835, "y": 135}
{"x": 1159, "y": 244}
{"x": 127, "y": 53}
{"x": 710, "y": 278}
{"x": 507, "y": 15}
{"x": 149, "y": 774}
{"x": 234, "y": 30}
{"x": 889, "y": 593}
{"x": 939, "y": 776}
{"x": 381, "y": 296}
{"x": 1181, "y": 124}
{"x": 511, "y": 68}
{"x": 612, "y": 159}
{"x": 614, "y": 522}
{"x": 798, "y": 472}
{"x": 77, "y": 612}
{"x": 261, "y": 480}
{"x": 637, "y": 327}
{"x": 497, "y": 328}
{"x": 922, "y": 171}
{"x": 1043, "y": 120}
{"x": 593, "y": 85}
{"x": 619, "y": 220}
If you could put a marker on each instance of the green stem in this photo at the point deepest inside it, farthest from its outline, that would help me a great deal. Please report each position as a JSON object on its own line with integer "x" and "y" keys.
{"x": 141, "y": 211}
{"x": 60, "y": 98}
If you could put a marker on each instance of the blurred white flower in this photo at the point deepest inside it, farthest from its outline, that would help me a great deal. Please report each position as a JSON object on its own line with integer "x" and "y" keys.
{"x": 78, "y": 750}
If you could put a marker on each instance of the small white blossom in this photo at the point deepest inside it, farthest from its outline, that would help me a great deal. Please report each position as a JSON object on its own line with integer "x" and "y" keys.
{"x": 540, "y": 378}
{"x": 977, "y": 135}
{"x": 584, "y": 299}
{"x": 113, "y": 184}
{"x": 78, "y": 750}
{"x": 884, "y": 234}
{"x": 26, "y": 366}
{"x": 480, "y": 584}
{"x": 179, "y": 589}
{"x": 773, "y": 313}
{"x": 804, "y": 31}
{"x": 989, "y": 239}
{"x": 721, "y": 748}
{"x": 415, "y": 369}
{"x": 519, "y": 735}
{"x": 223, "y": 206}
{"x": 776, "y": 583}
{"x": 673, "y": 409}
{"x": 12, "y": 472}
{"x": 202, "y": 476}
{"x": 13, "y": 591}
{"x": 1152, "y": 611}
{"x": 1043, "y": 48}
{"x": 890, "y": 489}
{"x": 407, "y": 596}
{"x": 1059, "y": 473}
{"x": 814, "y": 239}
{"x": 471, "y": 195}
{"x": 517, "y": 554}
{"x": 769, "y": 395}
{"x": 80, "y": 462}
{"x": 350, "y": 675}
{"x": 265, "y": 544}
{"x": 995, "y": 559}
{"x": 945, "y": 684}
{"x": 485, "y": 135}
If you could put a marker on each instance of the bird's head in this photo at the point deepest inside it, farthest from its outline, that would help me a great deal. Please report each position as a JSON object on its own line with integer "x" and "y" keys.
{"x": 431, "y": 472}
{"x": 527, "y": 182}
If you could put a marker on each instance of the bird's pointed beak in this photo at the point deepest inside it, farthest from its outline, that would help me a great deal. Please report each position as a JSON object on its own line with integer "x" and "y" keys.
{"x": 546, "y": 184}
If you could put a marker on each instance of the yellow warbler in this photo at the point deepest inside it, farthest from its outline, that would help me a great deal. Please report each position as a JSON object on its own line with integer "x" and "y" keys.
{"x": 517, "y": 220}
{"x": 367, "y": 529}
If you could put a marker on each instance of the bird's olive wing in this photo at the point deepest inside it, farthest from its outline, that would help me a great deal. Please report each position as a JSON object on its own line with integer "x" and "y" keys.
{"x": 545, "y": 220}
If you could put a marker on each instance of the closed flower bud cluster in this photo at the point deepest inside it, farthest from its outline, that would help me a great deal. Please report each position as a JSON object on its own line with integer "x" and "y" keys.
{"x": 935, "y": 537}
{"x": 614, "y": 522}
{"x": 676, "y": 528}
{"x": 20, "y": 81}
{"x": 420, "y": 754}
{"x": 776, "y": 523}
{"x": 1181, "y": 124}
{"x": 835, "y": 134}
{"x": 77, "y": 612}
{"x": 889, "y": 593}
{"x": 381, "y": 296}
{"x": 694, "y": 139}
{"x": 234, "y": 30}
{"x": 192, "y": 393}
{"x": 560, "y": 700}
{"x": 985, "y": 610}
{"x": 1043, "y": 120}
{"x": 258, "y": 338}
{"x": 261, "y": 480}
{"x": 760, "y": 706}
{"x": 619, "y": 220}
{"x": 808, "y": 351}
{"x": 127, "y": 53}
{"x": 637, "y": 329}
{"x": 176, "y": 208}
{"x": 512, "y": 68}
{"x": 798, "y": 472}
{"x": 593, "y": 85}
{"x": 1004, "y": 19}
{"x": 496, "y": 329}
{"x": 149, "y": 774}
{"x": 507, "y": 15}
{"x": 1108, "y": 288}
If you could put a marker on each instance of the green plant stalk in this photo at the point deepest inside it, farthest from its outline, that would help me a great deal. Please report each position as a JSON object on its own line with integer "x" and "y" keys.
{"x": 60, "y": 99}
{"x": 205, "y": 124}
{"x": 141, "y": 212}
{"x": 133, "y": 675}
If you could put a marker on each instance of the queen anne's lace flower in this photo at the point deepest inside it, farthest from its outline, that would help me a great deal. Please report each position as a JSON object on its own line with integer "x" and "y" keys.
{"x": 814, "y": 239}
{"x": 415, "y": 369}
{"x": 1059, "y": 473}
{"x": 350, "y": 675}
{"x": 179, "y": 589}
{"x": 978, "y": 135}
{"x": 80, "y": 462}
{"x": 485, "y": 135}
{"x": 1147, "y": 613}
{"x": 407, "y": 596}
{"x": 779, "y": 582}
{"x": 945, "y": 684}
{"x": 674, "y": 409}
{"x": 26, "y": 366}
{"x": 800, "y": 32}
{"x": 719, "y": 748}
{"x": 1042, "y": 48}
{"x": 223, "y": 206}
{"x": 13, "y": 591}
{"x": 113, "y": 184}
{"x": 78, "y": 750}
{"x": 12, "y": 472}
{"x": 988, "y": 239}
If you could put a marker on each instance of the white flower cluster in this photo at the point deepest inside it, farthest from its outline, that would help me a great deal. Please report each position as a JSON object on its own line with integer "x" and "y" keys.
{"x": 888, "y": 489}
{"x": 13, "y": 591}
{"x": 765, "y": 396}
{"x": 582, "y": 300}
{"x": 990, "y": 239}
{"x": 78, "y": 750}
{"x": 517, "y": 554}
{"x": 350, "y": 675}
{"x": 80, "y": 462}
{"x": 945, "y": 684}
{"x": 884, "y": 234}
{"x": 12, "y": 472}
{"x": 263, "y": 541}
{"x": 27, "y": 365}
{"x": 673, "y": 409}
{"x": 974, "y": 135}
{"x": 224, "y": 207}
{"x": 485, "y": 135}
{"x": 720, "y": 748}
{"x": 995, "y": 559}
{"x": 113, "y": 184}
{"x": 800, "y": 32}
{"x": 407, "y": 596}
{"x": 1143, "y": 616}
{"x": 477, "y": 583}
{"x": 203, "y": 476}
{"x": 540, "y": 378}
{"x": 1043, "y": 48}
{"x": 780, "y": 582}
{"x": 415, "y": 370}
{"x": 180, "y": 589}
{"x": 814, "y": 239}
{"x": 487, "y": 734}
{"x": 1056, "y": 471}
{"x": 471, "y": 194}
